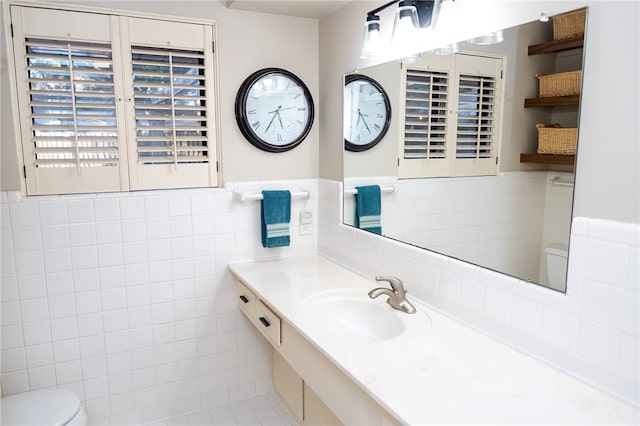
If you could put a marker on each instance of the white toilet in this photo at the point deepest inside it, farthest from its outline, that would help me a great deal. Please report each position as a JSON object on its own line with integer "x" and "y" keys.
{"x": 557, "y": 265}
{"x": 47, "y": 407}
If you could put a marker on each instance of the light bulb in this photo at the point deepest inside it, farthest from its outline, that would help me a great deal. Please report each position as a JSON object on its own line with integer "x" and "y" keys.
{"x": 371, "y": 40}
{"x": 405, "y": 29}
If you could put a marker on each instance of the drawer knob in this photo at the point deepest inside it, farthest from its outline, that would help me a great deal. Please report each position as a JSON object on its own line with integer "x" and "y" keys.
{"x": 244, "y": 299}
{"x": 264, "y": 321}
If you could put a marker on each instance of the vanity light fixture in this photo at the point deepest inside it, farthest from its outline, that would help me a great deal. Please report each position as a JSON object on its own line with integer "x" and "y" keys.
{"x": 411, "y": 16}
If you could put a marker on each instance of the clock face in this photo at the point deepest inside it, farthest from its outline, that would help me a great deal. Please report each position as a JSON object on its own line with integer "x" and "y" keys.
{"x": 367, "y": 112}
{"x": 274, "y": 110}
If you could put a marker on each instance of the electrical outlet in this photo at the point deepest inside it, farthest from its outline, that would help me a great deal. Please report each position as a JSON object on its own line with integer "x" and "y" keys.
{"x": 306, "y": 221}
{"x": 306, "y": 229}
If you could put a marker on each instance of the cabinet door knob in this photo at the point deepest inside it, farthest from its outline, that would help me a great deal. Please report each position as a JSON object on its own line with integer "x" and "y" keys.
{"x": 244, "y": 299}
{"x": 264, "y": 321}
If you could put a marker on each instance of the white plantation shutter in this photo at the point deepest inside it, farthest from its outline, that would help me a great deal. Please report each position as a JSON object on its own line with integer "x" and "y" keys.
{"x": 70, "y": 113}
{"x": 112, "y": 103}
{"x": 426, "y": 110}
{"x": 173, "y": 105}
{"x": 433, "y": 143}
{"x": 170, "y": 111}
{"x": 72, "y": 102}
{"x": 476, "y": 103}
{"x": 477, "y": 129}
{"x": 426, "y": 123}
{"x": 426, "y": 95}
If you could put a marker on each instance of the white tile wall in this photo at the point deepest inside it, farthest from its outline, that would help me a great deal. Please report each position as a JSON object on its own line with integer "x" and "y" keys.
{"x": 126, "y": 300}
{"x": 591, "y": 332}
{"x": 475, "y": 218}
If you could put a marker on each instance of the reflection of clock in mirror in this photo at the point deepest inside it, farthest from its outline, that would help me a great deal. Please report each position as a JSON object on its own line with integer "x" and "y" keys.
{"x": 367, "y": 112}
{"x": 274, "y": 110}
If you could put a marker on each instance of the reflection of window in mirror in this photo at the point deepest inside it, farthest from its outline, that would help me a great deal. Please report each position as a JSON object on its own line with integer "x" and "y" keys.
{"x": 452, "y": 116}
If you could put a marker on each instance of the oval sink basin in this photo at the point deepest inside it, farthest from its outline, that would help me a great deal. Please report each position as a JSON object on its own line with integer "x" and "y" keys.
{"x": 353, "y": 314}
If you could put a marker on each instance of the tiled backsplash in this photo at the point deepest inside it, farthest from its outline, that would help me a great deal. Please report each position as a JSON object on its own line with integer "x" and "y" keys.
{"x": 497, "y": 221}
{"x": 592, "y": 331}
{"x": 126, "y": 298}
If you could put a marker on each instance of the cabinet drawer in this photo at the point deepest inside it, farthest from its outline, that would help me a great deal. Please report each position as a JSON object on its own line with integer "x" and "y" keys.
{"x": 246, "y": 301}
{"x": 268, "y": 323}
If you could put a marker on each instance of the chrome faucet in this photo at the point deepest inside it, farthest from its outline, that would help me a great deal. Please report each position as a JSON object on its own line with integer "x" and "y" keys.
{"x": 397, "y": 294}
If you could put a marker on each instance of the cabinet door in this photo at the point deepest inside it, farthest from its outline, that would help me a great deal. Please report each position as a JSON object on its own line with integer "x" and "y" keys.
{"x": 288, "y": 386}
{"x": 316, "y": 413}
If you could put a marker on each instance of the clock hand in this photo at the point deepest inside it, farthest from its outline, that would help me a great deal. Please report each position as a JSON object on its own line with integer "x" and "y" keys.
{"x": 365, "y": 122}
{"x": 279, "y": 119}
{"x": 277, "y": 109}
{"x": 272, "y": 118}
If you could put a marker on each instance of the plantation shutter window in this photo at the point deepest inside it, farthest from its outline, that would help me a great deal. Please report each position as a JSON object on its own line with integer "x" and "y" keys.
{"x": 105, "y": 109}
{"x": 477, "y": 130}
{"x": 475, "y": 117}
{"x": 72, "y": 103}
{"x": 169, "y": 100}
{"x": 171, "y": 80}
{"x": 426, "y": 114}
{"x": 451, "y": 116}
{"x": 426, "y": 120}
{"x": 70, "y": 121}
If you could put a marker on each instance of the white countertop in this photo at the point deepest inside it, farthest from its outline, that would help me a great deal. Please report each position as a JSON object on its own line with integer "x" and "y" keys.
{"x": 438, "y": 371}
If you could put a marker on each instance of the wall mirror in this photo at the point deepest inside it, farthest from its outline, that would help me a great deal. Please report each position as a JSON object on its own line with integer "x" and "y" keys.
{"x": 459, "y": 168}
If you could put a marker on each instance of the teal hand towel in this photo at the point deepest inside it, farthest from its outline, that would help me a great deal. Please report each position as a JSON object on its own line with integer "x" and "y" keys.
{"x": 368, "y": 208}
{"x": 275, "y": 214}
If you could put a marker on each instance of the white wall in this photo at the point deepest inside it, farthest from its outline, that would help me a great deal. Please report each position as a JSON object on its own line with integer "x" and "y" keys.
{"x": 246, "y": 42}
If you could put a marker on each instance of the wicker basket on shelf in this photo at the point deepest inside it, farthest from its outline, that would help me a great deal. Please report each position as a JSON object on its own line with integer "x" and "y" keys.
{"x": 560, "y": 84}
{"x": 553, "y": 139}
{"x": 569, "y": 25}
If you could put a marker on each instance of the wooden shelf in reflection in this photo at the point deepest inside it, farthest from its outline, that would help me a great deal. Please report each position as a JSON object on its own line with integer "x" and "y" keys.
{"x": 557, "y": 45}
{"x": 551, "y": 101}
{"x": 565, "y": 160}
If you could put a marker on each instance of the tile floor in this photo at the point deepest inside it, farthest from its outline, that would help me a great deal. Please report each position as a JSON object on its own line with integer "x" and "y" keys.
{"x": 260, "y": 410}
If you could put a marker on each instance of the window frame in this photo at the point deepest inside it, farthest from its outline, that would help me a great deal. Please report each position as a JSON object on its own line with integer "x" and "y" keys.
{"x": 39, "y": 181}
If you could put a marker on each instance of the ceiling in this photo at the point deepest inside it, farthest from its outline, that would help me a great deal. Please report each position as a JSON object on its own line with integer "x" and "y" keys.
{"x": 315, "y": 9}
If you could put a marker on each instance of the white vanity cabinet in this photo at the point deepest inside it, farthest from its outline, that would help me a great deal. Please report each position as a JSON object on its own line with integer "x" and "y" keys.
{"x": 437, "y": 371}
{"x": 314, "y": 389}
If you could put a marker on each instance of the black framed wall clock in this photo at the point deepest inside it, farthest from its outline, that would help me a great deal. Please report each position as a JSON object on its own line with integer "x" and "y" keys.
{"x": 274, "y": 109}
{"x": 367, "y": 112}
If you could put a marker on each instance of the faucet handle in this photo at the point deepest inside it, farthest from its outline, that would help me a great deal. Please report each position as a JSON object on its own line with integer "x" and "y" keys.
{"x": 395, "y": 283}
